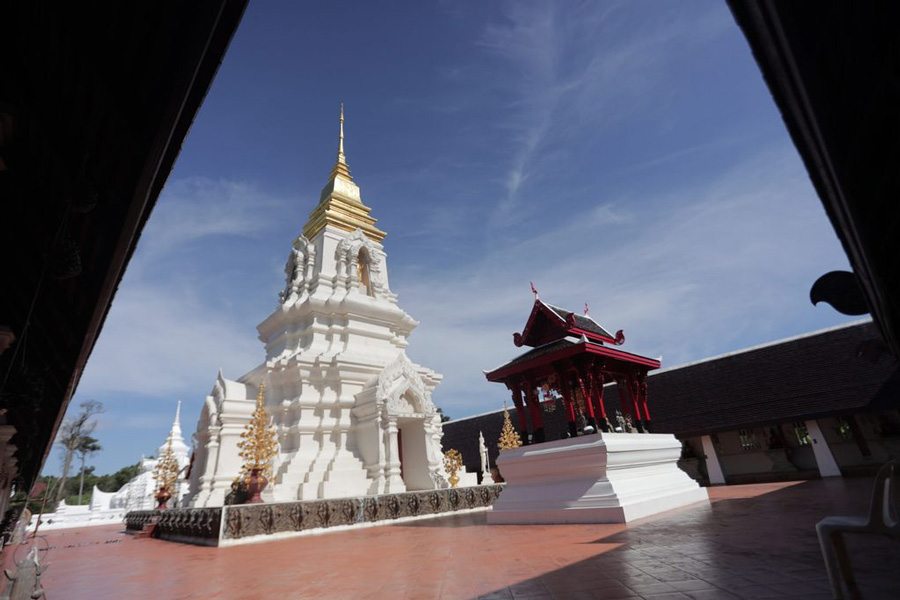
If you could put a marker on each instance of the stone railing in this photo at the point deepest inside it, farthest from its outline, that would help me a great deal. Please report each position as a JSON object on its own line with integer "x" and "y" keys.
{"x": 195, "y": 525}
{"x": 137, "y": 519}
{"x": 249, "y": 520}
{"x": 203, "y": 525}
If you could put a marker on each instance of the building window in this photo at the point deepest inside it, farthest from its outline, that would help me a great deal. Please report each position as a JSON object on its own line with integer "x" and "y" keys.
{"x": 844, "y": 430}
{"x": 801, "y": 433}
{"x": 748, "y": 440}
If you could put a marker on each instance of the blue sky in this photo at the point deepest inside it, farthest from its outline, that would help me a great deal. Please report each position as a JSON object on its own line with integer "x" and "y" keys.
{"x": 624, "y": 154}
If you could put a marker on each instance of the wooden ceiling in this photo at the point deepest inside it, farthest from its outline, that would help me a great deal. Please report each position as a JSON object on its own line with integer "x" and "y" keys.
{"x": 95, "y": 101}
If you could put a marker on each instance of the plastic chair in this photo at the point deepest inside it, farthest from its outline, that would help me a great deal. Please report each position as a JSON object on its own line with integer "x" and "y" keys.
{"x": 882, "y": 519}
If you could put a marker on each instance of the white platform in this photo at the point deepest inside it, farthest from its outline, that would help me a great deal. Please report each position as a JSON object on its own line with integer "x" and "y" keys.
{"x": 600, "y": 478}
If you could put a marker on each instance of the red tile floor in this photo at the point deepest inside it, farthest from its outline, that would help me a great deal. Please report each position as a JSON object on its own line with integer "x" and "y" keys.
{"x": 753, "y": 541}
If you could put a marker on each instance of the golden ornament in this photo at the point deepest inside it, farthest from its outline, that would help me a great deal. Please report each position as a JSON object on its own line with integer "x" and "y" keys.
{"x": 509, "y": 438}
{"x": 259, "y": 442}
{"x": 452, "y": 464}
{"x": 166, "y": 471}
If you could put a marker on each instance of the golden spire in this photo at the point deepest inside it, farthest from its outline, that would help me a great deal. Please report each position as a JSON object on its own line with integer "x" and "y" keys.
{"x": 341, "y": 138}
{"x": 340, "y": 165}
{"x": 340, "y": 204}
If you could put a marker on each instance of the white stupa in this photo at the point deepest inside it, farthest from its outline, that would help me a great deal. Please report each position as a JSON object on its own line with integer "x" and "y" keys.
{"x": 353, "y": 414}
{"x": 139, "y": 493}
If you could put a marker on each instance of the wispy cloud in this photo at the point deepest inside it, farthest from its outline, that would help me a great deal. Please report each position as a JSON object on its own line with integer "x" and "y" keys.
{"x": 700, "y": 270}
{"x": 136, "y": 421}
{"x": 565, "y": 70}
{"x": 160, "y": 340}
{"x": 177, "y": 319}
{"x": 196, "y": 208}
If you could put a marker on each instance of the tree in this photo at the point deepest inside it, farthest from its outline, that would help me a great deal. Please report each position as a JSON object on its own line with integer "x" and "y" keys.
{"x": 115, "y": 481}
{"x": 70, "y": 437}
{"x": 87, "y": 446}
{"x": 106, "y": 483}
{"x": 444, "y": 418}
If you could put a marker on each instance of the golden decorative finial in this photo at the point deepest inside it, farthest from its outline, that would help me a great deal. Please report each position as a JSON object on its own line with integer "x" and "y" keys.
{"x": 452, "y": 464}
{"x": 259, "y": 442}
{"x": 509, "y": 439}
{"x": 340, "y": 166}
{"x": 341, "y": 142}
{"x": 166, "y": 474}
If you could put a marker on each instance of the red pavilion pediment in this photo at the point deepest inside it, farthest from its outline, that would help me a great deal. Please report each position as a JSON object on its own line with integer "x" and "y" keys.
{"x": 548, "y": 323}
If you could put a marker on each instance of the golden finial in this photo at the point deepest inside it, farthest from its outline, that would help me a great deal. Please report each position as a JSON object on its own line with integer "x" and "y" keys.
{"x": 340, "y": 165}
{"x": 509, "y": 439}
{"x": 341, "y": 140}
{"x": 259, "y": 442}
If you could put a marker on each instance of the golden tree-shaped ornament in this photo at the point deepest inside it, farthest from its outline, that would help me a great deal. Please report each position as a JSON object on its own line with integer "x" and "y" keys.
{"x": 509, "y": 438}
{"x": 452, "y": 464}
{"x": 258, "y": 447}
{"x": 166, "y": 475}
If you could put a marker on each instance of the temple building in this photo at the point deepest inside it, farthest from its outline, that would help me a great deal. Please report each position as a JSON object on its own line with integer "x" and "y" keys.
{"x": 353, "y": 414}
{"x": 572, "y": 357}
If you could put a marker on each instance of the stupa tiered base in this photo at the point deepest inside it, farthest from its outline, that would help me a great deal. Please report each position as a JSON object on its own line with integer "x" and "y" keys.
{"x": 601, "y": 478}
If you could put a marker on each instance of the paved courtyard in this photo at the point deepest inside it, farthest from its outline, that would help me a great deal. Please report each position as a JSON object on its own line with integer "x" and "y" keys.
{"x": 754, "y": 541}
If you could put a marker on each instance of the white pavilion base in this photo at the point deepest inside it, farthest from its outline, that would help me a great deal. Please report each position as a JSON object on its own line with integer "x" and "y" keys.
{"x": 600, "y": 478}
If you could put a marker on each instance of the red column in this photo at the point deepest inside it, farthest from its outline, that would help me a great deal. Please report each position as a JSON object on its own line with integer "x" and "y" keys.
{"x": 633, "y": 391}
{"x": 623, "y": 395}
{"x": 537, "y": 420}
{"x": 597, "y": 385}
{"x": 587, "y": 391}
{"x": 568, "y": 400}
{"x": 643, "y": 384}
{"x": 516, "y": 390}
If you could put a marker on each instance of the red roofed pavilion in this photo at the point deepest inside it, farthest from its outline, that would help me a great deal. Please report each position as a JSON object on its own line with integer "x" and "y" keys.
{"x": 572, "y": 356}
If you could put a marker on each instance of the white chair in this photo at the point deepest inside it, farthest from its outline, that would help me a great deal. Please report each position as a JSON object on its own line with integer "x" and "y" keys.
{"x": 882, "y": 519}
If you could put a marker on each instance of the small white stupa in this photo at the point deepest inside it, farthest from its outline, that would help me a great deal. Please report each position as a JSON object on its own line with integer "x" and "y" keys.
{"x": 139, "y": 493}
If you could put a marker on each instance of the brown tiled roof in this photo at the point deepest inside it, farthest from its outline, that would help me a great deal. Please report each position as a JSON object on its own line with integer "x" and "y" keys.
{"x": 806, "y": 377}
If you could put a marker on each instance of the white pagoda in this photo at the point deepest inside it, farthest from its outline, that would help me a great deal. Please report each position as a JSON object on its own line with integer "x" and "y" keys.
{"x": 140, "y": 492}
{"x": 354, "y": 415}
